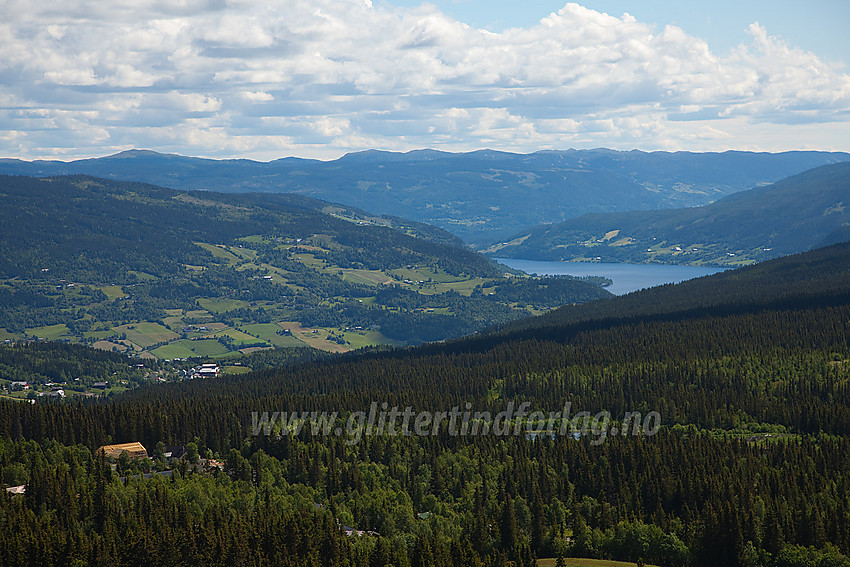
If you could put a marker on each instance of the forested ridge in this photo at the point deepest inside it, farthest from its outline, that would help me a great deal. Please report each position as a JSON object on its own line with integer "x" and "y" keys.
{"x": 811, "y": 278}
{"x": 793, "y": 215}
{"x": 61, "y": 223}
{"x": 481, "y": 195}
{"x": 84, "y": 259}
{"x": 748, "y": 370}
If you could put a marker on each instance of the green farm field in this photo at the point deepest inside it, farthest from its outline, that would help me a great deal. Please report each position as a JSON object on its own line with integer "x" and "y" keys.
{"x": 186, "y": 348}
{"x": 219, "y": 252}
{"x": 147, "y": 334}
{"x": 50, "y": 332}
{"x": 268, "y": 332}
{"x": 360, "y": 339}
{"x": 239, "y": 338}
{"x": 113, "y": 291}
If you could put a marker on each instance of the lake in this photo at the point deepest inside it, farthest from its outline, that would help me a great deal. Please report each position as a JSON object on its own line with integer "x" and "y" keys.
{"x": 626, "y": 277}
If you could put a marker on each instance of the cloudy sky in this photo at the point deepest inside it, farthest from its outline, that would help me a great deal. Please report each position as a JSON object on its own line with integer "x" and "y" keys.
{"x": 319, "y": 78}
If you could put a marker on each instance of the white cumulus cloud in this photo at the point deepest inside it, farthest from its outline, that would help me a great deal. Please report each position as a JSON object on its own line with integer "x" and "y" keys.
{"x": 321, "y": 77}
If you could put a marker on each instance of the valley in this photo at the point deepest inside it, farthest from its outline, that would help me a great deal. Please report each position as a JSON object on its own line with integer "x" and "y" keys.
{"x": 481, "y": 196}
{"x": 796, "y": 214}
{"x": 748, "y": 370}
{"x": 424, "y": 283}
{"x": 177, "y": 322}
{"x": 227, "y": 276}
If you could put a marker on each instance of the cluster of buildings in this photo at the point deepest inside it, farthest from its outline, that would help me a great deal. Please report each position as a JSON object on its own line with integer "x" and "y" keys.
{"x": 17, "y": 386}
{"x": 52, "y": 394}
{"x": 55, "y": 391}
{"x": 205, "y": 371}
{"x": 136, "y": 450}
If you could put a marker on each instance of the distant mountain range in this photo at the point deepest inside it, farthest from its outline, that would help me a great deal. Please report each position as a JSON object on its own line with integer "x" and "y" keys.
{"x": 793, "y": 215}
{"x": 480, "y": 196}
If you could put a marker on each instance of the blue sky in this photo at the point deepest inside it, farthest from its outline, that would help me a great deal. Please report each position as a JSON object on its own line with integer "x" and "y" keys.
{"x": 818, "y": 25}
{"x": 319, "y": 78}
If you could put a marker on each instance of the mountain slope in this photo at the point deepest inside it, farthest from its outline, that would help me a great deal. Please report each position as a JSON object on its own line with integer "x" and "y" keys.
{"x": 480, "y": 196}
{"x": 793, "y": 215}
{"x": 804, "y": 280}
{"x": 709, "y": 429}
{"x": 55, "y": 222}
{"x": 173, "y": 274}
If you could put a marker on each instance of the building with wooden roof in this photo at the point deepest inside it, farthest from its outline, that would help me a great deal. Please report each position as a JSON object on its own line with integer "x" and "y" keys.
{"x": 134, "y": 450}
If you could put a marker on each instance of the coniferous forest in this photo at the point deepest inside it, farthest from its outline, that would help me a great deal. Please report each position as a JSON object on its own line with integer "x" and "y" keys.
{"x": 424, "y": 283}
{"x": 748, "y": 371}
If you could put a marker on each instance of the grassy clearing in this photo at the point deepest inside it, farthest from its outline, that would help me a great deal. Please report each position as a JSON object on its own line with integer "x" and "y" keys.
{"x": 580, "y": 562}
{"x": 50, "y": 332}
{"x": 173, "y": 350}
{"x": 310, "y": 260}
{"x": 287, "y": 341}
{"x": 236, "y": 335}
{"x": 360, "y": 339}
{"x": 235, "y": 370}
{"x": 207, "y": 347}
{"x": 279, "y": 275}
{"x": 219, "y": 252}
{"x": 107, "y": 345}
{"x": 239, "y": 338}
{"x": 463, "y": 287}
{"x": 186, "y": 348}
{"x": 113, "y": 291}
{"x": 247, "y": 266}
{"x": 244, "y": 254}
{"x": 261, "y": 330}
{"x": 7, "y": 336}
{"x": 147, "y": 334}
{"x": 315, "y": 338}
{"x": 268, "y": 332}
{"x": 142, "y": 276}
{"x": 250, "y": 350}
{"x": 198, "y": 314}
{"x": 436, "y": 281}
{"x": 175, "y": 323}
{"x": 416, "y": 274}
{"x": 222, "y": 304}
{"x": 368, "y": 277}
{"x": 13, "y": 398}
{"x": 131, "y": 345}
{"x": 439, "y": 310}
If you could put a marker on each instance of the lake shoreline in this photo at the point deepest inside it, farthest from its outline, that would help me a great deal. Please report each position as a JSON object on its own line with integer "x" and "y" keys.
{"x": 626, "y": 278}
